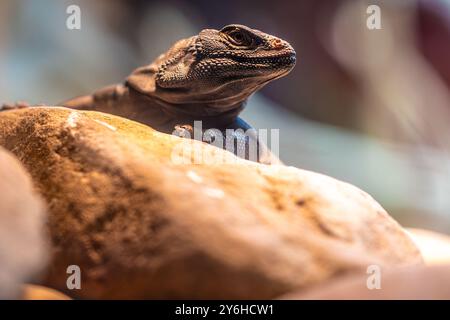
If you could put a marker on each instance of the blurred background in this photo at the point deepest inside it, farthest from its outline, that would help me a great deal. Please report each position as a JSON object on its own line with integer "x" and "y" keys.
{"x": 370, "y": 107}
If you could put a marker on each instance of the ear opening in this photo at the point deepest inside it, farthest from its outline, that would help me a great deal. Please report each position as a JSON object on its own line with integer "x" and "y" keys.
{"x": 143, "y": 79}
{"x": 169, "y": 70}
{"x": 174, "y": 74}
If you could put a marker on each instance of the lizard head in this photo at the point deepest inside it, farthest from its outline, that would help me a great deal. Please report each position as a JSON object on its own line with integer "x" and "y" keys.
{"x": 217, "y": 67}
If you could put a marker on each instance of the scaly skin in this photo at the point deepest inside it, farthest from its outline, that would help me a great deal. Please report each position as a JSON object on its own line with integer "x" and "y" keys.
{"x": 205, "y": 78}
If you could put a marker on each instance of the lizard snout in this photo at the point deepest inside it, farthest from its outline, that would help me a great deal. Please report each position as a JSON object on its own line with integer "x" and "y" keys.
{"x": 277, "y": 44}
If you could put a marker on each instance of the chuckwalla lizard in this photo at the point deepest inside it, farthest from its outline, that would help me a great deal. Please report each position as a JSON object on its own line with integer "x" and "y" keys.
{"x": 207, "y": 77}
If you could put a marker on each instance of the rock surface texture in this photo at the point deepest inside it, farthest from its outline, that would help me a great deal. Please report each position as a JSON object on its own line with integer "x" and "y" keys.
{"x": 140, "y": 224}
{"x": 22, "y": 243}
{"x": 434, "y": 246}
{"x": 34, "y": 292}
{"x": 411, "y": 283}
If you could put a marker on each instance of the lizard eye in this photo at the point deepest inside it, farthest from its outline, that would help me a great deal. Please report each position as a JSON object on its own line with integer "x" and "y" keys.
{"x": 240, "y": 38}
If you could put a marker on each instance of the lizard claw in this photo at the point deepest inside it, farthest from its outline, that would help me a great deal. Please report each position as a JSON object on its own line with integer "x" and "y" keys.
{"x": 183, "y": 131}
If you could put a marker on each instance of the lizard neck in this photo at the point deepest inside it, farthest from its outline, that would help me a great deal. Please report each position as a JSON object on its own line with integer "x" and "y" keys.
{"x": 212, "y": 114}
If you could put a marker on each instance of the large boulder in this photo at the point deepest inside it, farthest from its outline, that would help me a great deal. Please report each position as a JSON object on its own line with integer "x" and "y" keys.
{"x": 22, "y": 236}
{"x": 34, "y": 292}
{"x": 410, "y": 283}
{"x": 434, "y": 247}
{"x": 142, "y": 222}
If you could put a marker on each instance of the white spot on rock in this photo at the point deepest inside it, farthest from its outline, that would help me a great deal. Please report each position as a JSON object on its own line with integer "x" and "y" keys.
{"x": 72, "y": 119}
{"x": 214, "y": 193}
{"x": 194, "y": 176}
{"x": 106, "y": 125}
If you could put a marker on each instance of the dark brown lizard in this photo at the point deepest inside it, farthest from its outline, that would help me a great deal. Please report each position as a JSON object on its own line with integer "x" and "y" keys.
{"x": 208, "y": 78}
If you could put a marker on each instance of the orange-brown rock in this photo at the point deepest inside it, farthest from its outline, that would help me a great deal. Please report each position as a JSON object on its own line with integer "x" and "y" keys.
{"x": 434, "y": 246}
{"x": 35, "y": 292}
{"x": 140, "y": 224}
{"x": 22, "y": 241}
{"x": 411, "y": 283}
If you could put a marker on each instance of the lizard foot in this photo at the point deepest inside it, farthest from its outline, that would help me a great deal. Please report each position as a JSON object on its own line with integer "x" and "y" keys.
{"x": 183, "y": 131}
{"x": 17, "y": 105}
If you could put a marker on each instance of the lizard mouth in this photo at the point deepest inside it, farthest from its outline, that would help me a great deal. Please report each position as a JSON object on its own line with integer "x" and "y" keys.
{"x": 285, "y": 60}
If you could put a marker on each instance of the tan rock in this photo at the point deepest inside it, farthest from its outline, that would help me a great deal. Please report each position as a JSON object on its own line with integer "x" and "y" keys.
{"x": 434, "y": 246}
{"x": 410, "y": 283}
{"x": 22, "y": 246}
{"x": 141, "y": 225}
{"x": 35, "y": 292}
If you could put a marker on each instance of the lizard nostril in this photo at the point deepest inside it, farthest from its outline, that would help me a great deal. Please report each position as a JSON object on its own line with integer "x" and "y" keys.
{"x": 277, "y": 44}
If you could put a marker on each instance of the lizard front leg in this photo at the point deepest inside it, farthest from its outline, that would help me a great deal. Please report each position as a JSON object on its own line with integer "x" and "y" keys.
{"x": 104, "y": 100}
{"x": 241, "y": 141}
{"x": 183, "y": 131}
{"x": 121, "y": 101}
{"x": 17, "y": 105}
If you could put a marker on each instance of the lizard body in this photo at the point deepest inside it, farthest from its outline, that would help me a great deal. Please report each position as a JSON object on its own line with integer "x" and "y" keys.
{"x": 207, "y": 77}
